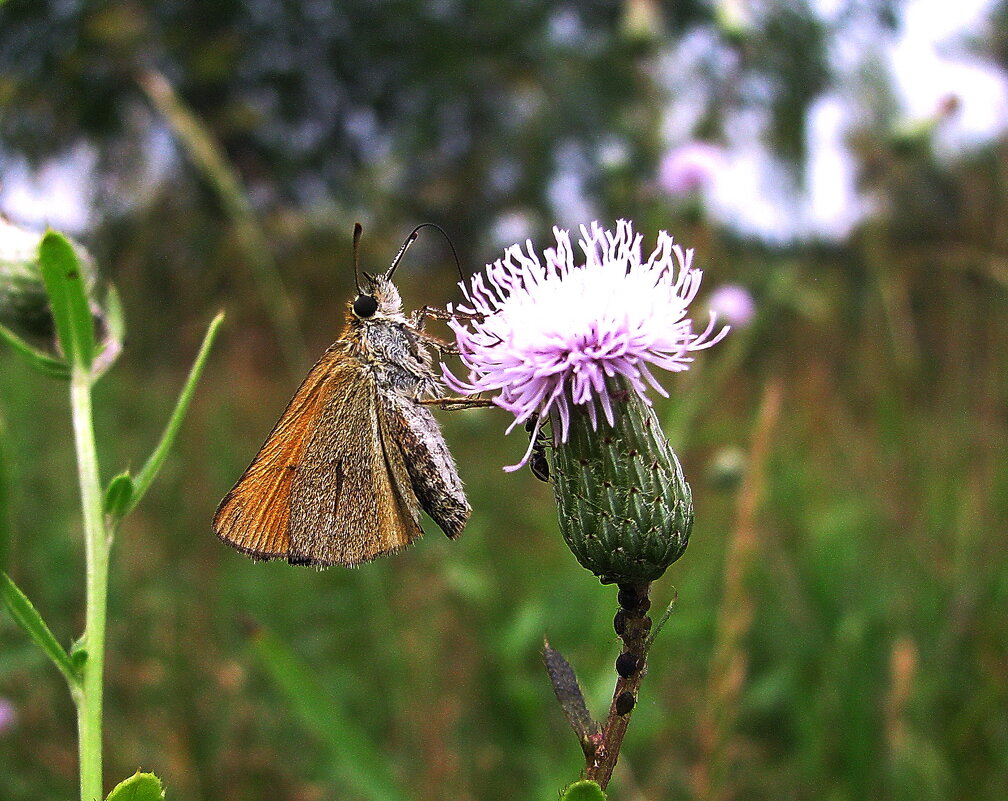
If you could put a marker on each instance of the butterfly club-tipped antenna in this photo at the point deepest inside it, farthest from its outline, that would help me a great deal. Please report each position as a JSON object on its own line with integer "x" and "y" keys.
{"x": 413, "y": 237}
{"x": 358, "y": 229}
{"x": 364, "y": 305}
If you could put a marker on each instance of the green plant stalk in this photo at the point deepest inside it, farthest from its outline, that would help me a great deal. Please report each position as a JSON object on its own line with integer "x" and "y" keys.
{"x": 97, "y": 543}
{"x": 209, "y": 158}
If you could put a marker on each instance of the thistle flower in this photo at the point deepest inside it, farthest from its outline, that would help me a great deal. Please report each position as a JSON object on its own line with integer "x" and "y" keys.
{"x": 562, "y": 340}
{"x": 24, "y": 304}
{"x": 552, "y": 337}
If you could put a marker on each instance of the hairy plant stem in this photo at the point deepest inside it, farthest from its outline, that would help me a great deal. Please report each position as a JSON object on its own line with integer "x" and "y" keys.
{"x": 636, "y": 626}
{"x": 97, "y": 542}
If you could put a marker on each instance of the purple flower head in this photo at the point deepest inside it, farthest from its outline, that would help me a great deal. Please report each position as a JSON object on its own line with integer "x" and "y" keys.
{"x": 690, "y": 167}
{"x": 550, "y": 334}
{"x": 8, "y": 716}
{"x": 734, "y": 303}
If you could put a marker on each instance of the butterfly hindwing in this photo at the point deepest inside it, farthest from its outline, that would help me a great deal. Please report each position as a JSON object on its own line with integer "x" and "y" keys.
{"x": 411, "y": 428}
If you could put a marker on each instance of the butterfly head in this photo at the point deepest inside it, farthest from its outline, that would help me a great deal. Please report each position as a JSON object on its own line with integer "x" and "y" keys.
{"x": 378, "y": 299}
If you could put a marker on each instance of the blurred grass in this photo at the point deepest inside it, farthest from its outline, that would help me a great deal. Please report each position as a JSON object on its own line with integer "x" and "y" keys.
{"x": 4, "y": 499}
{"x": 879, "y": 544}
{"x": 355, "y": 763}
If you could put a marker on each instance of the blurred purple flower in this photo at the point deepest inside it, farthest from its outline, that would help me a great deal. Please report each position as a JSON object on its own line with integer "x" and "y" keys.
{"x": 8, "y": 716}
{"x": 734, "y": 303}
{"x": 690, "y": 167}
{"x": 551, "y": 335}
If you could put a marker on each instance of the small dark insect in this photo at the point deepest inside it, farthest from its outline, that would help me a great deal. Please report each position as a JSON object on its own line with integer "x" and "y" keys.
{"x": 625, "y": 703}
{"x": 626, "y": 664}
{"x": 538, "y": 463}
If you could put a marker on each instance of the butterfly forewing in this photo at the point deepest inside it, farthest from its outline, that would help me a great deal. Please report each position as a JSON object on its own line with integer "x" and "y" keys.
{"x": 255, "y": 515}
{"x": 351, "y": 500}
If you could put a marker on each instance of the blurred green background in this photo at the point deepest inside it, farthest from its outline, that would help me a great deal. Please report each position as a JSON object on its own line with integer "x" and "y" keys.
{"x": 841, "y": 628}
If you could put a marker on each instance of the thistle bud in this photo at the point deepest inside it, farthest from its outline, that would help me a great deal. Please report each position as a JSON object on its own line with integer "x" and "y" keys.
{"x": 625, "y": 508}
{"x": 24, "y": 306}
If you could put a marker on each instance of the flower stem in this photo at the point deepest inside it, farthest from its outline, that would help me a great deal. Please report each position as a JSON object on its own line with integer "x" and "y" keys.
{"x": 633, "y": 625}
{"x": 97, "y": 542}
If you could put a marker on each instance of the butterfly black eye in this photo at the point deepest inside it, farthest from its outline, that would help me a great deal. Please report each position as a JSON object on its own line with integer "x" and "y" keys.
{"x": 365, "y": 306}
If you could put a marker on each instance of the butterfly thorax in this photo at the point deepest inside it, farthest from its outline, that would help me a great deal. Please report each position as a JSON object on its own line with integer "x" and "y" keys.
{"x": 388, "y": 345}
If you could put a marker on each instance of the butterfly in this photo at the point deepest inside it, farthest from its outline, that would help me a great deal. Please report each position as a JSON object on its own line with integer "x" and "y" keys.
{"x": 356, "y": 454}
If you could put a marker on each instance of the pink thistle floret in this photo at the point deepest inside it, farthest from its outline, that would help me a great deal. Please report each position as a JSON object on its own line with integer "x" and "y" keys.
{"x": 546, "y": 336}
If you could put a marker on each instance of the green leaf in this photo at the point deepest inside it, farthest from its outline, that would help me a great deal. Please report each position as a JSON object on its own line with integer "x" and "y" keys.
{"x": 4, "y": 498}
{"x": 118, "y": 494}
{"x": 64, "y": 282}
{"x": 584, "y": 790}
{"x": 115, "y": 320}
{"x": 113, "y": 326}
{"x": 143, "y": 479}
{"x": 40, "y": 360}
{"x": 28, "y": 618}
{"x": 355, "y": 761}
{"x": 661, "y": 622}
{"x": 138, "y": 787}
{"x": 78, "y": 656}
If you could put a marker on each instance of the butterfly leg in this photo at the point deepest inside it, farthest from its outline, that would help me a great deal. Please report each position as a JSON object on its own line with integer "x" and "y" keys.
{"x": 456, "y": 403}
{"x": 419, "y": 320}
{"x": 436, "y": 313}
{"x": 440, "y": 345}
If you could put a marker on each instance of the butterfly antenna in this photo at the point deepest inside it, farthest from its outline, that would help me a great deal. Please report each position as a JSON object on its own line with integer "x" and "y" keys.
{"x": 357, "y": 231}
{"x": 412, "y": 238}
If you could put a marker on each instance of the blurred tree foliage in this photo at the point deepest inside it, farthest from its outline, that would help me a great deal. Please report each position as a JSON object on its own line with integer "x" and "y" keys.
{"x": 453, "y": 111}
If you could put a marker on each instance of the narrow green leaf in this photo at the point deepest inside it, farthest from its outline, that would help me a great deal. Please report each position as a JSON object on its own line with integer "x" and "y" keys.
{"x": 118, "y": 494}
{"x": 584, "y": 790}
{"x": 28, "y": 618}
{"x": 113, "y": 328}
{"x": 355, "y": 761}
{"x": 661, "y": 622}
{"x": 143, "y": 479}
{"x": 115, "y": 320}
{"x": 138, "y": 787}
{"x": 61, "y": 272}
{"x": 4, "y": 498}
{"x": 40, "y": 360}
